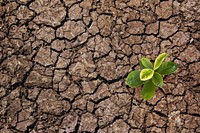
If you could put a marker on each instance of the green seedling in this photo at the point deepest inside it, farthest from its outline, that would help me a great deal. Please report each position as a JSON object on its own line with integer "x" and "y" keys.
{"x": 151, "y": 75}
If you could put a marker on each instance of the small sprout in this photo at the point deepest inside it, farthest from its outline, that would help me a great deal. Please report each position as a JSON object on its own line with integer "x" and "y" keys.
{"x": 151, "y": 75}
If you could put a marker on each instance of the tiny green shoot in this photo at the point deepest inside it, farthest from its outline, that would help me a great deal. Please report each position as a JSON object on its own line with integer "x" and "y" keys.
{"x": 151, "y": 75}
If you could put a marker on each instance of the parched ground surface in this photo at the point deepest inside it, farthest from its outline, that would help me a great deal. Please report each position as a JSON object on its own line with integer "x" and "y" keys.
{"x": 63, "y": 65}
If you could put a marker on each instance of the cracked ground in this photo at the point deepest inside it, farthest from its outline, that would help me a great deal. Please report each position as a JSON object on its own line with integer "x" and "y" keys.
{"x": 63, "y": 65}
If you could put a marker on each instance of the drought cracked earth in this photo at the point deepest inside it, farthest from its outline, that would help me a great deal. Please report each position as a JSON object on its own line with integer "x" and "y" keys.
{"x": 63, "y": 65}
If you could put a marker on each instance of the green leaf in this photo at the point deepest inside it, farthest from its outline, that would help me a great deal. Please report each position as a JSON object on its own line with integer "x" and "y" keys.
{"x": 157, "y": 80}
{"x": 159, "y": 60}
{"x": 146, "y": 74}
{"x": 133, "y": 79}
{"x": 167, "y": 68}
{"x": 146, "y": 63}
{"x": 148, "y": 90}
{"x": 141, "y": 65}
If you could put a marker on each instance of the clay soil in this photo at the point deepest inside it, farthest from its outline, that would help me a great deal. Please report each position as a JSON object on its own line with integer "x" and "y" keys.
{"x": 63, "y": 65}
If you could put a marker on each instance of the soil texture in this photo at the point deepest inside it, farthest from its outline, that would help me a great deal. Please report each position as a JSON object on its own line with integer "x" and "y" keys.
{"x": 63, "y": 65}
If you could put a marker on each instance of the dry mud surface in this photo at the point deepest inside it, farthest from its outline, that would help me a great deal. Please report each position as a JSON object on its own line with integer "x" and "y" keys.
{"x": 63, "y": 65}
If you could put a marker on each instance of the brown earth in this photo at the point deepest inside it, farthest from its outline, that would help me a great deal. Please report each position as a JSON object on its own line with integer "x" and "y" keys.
{"x": 63, "y": 65}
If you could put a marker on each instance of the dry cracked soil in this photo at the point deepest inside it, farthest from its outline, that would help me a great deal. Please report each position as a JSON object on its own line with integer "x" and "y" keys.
{"x": 63, "y": 65}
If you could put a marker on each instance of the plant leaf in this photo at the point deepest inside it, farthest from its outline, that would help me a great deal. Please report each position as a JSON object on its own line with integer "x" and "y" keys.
{"x": 157, "y": 79}
{"x": 146, "y": 74}
{"x": 159, "y": 60}
{"x": 148, "y": 90}
{"x": 146, "y": 63}
{"x": 133, "y": 79}
{"x": 167, "y": 68}
{"x": 141, "y": 65}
